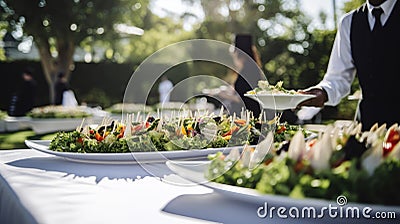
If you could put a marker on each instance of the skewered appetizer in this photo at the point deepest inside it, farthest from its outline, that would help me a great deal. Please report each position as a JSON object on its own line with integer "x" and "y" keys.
{"x": 363, "y": 166}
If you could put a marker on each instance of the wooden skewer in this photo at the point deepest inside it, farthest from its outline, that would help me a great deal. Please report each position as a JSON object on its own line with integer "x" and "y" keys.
{"x": 80, "y": 127}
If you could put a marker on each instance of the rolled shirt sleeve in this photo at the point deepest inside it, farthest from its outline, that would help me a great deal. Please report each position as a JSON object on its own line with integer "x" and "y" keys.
{"x": 341, "y": 69}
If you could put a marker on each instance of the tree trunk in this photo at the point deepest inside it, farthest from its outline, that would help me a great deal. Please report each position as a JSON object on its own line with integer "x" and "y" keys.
{"x": 48, "y": 64}
{"x": 66, "y": 49}
{"x": 52, "y": 66}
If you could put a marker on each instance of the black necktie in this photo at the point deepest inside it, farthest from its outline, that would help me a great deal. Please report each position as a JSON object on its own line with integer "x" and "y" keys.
{"x": 377, "y": 12}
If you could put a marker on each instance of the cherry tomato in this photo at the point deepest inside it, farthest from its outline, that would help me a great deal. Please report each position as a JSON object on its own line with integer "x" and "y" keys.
{"x": 231, "y": 131}
{"x": 281, "y": 129}
{"x": 392, "y": 139}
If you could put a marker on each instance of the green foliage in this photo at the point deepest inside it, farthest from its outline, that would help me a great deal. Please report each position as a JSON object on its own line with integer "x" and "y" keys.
{"x": 346, "y": 110}
{"x": 283, "y": 176}
{"x": 3, "y": 115}
{"x": 305, "y": 68}
{"x": 77, "y": 20}
{"x": 383, "y": 185}
{"x": 3, "y": 26}
{"x": 352, "y": 4}
{"x": 59, "y": 27}
{"x": 159, "y": 33}
{"x": 15, "y": 140}
{"x": 96, "y": 97}
{"x": 290, "y": 51}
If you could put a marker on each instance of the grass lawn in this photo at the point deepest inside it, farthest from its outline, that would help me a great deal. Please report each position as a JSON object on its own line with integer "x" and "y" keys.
{"x": 15, "y": 140}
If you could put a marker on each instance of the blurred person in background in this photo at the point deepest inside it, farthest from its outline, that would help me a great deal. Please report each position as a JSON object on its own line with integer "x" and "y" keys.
{"x": 365, "y": 44}
{"x": 164, "y": 89}
{"x": 60, "y": 86}
{"x": 248, "y": 75}
{"x": 24, "y": 99}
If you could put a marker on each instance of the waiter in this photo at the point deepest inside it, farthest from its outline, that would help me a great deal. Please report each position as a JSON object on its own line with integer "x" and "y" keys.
{"x": 365, "y": 45}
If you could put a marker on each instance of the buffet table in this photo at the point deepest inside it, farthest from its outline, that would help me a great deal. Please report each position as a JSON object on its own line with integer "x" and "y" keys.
{"x": 40, "y": 188}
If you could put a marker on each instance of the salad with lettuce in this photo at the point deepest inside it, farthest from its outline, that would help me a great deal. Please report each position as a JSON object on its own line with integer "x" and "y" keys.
{"x": 264, "y": 87}
{"x": 178, "y": 133}
{"x": 56, "y": 111}
{"x": 363, "y": 166}
{"x": 120, "y": 108}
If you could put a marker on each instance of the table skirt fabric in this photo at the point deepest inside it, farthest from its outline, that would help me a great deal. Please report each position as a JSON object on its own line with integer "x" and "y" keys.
{"x": 36, "y": 187}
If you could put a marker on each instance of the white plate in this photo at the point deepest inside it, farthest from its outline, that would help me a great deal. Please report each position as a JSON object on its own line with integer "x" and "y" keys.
{"x": 315, "y": 127}
{"x": 194, "y": 171}
{"x": 17, "y": 123}
{"x": 133, "y": 157}
{"x": 279, "y": 101}
{"x": 47, "y": 125}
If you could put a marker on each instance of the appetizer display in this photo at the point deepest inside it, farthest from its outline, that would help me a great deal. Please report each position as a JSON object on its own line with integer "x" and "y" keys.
{"x": 120, "y": 108}
{"x": 264, "y": 87}
{"x": 136, "y": 134}
{"x": 276, "y": 97}
{"x": 363, "y": 166}
{"x": 53, "y": 111}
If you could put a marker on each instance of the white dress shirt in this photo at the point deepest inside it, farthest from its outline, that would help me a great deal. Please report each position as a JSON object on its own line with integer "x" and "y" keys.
{"x": 164, "y": 89}
{"x": 341, "y": 69}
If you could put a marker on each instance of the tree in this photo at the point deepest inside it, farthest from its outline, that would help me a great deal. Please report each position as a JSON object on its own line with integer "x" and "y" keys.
{"x": 352, "y": 4}
{"x": 59, "y": 26}
{"x": 279, "y": 28}
{"x": 159, "y": 33}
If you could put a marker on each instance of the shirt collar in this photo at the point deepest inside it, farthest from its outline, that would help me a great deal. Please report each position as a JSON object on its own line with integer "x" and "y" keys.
{"x": 387, "y": 6}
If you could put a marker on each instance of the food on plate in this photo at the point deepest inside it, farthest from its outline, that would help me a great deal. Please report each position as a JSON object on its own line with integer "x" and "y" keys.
{"x": 363, "y": 166}
{"x": 128, "y": 108}
{"x": 136, "y": 134}
{"x": 53, "y": 111}
{"x": 265, "y": 88}
{"x": 276, "y": 97}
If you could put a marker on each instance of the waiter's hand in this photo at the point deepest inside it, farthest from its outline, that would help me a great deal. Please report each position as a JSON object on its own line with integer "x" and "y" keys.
{"x": 318, "y": 101}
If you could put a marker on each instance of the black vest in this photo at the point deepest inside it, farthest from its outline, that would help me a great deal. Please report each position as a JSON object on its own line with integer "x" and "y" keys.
{"x": 377, "y": 60}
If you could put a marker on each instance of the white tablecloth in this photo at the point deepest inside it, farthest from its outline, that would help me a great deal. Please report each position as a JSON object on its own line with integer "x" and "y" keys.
{"x": 40, "y": 188}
